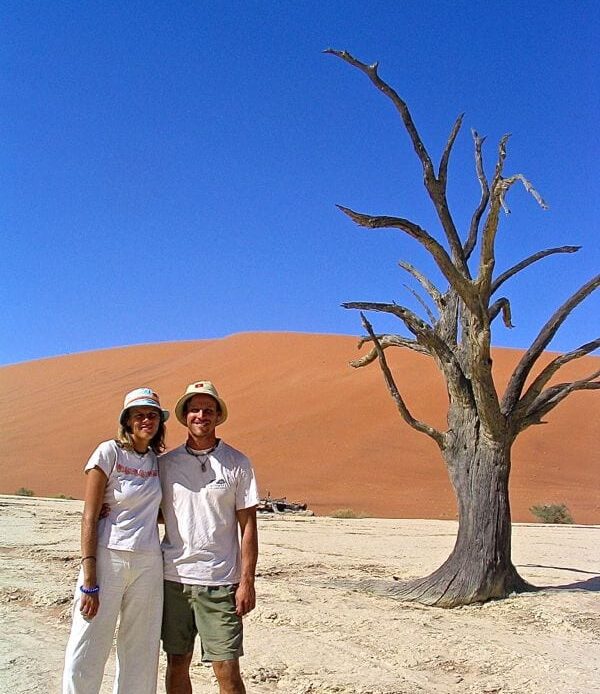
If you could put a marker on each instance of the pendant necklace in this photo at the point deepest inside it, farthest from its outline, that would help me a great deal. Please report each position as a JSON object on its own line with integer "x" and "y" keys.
{"x": 201, "y": 456}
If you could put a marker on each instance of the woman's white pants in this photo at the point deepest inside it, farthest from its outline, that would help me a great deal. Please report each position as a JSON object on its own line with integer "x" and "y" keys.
{"x": 131, "y": 588}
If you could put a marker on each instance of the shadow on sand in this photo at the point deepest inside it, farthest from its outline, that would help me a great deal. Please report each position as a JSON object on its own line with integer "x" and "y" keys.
{"x": 591, "y": 584}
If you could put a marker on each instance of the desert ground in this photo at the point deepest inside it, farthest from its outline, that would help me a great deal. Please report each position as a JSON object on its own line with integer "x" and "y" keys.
{"x": 314, "y": 630}
{"x": 316, "y": 430}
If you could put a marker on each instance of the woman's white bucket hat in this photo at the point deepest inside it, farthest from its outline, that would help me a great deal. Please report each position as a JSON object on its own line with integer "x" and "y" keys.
{"x": 142, "y": 397}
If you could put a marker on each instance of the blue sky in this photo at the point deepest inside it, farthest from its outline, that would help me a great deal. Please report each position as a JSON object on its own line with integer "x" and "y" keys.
{"x": 170, "y": 170}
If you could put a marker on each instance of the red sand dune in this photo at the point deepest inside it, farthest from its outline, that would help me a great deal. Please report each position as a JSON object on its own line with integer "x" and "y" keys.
{"x": 316, "y": 429}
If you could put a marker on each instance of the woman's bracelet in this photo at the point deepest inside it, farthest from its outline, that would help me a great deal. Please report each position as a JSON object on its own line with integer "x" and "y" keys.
{"x": 90, "y": 591}
{"x": 90, "y": 556}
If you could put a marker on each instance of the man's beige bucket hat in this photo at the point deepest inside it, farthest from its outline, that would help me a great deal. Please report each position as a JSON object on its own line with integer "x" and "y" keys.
{"x": 199, "y": 388}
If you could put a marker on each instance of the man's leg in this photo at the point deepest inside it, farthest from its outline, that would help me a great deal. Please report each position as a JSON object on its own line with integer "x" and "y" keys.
{"x": 228, "y": 676}
{"x": 178, "y": 636}
{"x": 178, "y": 680}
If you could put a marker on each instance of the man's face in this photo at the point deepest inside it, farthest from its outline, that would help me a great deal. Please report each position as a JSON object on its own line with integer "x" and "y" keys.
{"x": 202, "y": 414}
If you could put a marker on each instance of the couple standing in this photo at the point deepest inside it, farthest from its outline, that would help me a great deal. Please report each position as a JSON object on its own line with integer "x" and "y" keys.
{"x": 207, "y": 492}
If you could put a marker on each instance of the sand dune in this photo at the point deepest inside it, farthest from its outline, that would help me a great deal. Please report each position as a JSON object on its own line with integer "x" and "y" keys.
{"x": 316, "y": 429}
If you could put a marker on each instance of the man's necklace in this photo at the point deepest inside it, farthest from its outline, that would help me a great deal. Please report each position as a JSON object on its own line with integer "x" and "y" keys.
{"x": 201, "y": 456}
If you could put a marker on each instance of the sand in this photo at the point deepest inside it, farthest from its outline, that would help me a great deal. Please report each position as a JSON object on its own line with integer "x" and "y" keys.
{"x": 316, "y": 430}
{"x": 310, "y": 634}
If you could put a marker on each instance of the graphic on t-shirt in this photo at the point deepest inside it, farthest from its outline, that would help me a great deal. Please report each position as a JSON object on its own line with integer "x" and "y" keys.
{"x": 134, "y": 471}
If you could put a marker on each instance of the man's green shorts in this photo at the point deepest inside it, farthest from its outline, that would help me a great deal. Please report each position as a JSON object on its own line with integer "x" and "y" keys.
{"x": 207, "y": 611}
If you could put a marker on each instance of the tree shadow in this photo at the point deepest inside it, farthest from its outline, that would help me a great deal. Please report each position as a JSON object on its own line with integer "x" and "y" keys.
{"x": 591, "y": 584}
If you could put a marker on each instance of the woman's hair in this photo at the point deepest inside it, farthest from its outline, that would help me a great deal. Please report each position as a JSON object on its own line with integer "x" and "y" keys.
{"x": 157, "y": 442}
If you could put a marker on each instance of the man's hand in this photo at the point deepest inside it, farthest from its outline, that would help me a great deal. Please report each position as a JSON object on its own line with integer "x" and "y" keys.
{"x": 245, "y": 598}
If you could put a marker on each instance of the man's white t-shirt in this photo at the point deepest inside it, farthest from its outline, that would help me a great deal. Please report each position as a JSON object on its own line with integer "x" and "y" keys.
{"x": 201, "y": 545}
{"x": 133, "y": 493}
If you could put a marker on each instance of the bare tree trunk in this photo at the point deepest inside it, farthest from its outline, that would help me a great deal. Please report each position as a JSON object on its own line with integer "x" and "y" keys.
{"x": 481, "y": 426}
{"x": 480, "y": 566}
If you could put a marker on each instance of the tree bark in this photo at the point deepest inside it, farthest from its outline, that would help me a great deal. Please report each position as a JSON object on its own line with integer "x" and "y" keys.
{"x": 479, "y": 567}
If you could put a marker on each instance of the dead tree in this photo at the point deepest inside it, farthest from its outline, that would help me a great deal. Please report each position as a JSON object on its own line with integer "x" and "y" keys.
{"x": 482, "y": 424}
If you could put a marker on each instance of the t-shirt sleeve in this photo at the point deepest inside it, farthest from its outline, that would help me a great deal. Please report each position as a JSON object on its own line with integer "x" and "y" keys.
{"x": 103, "y": 457}
{"x": 246, "y": 494}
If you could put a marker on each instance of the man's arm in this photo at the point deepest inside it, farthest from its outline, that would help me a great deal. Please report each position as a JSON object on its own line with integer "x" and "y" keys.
{"x": 245, "y": 597}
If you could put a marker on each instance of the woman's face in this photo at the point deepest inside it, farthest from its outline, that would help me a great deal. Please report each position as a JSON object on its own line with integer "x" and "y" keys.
{"x": 143, "y": 422}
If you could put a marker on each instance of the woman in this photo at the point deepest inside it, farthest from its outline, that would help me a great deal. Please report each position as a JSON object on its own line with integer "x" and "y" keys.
{"x": 121, "y": 565}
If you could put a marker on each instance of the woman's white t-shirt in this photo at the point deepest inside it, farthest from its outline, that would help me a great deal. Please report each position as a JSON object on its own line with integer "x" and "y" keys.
{"x": 133, "y": 493}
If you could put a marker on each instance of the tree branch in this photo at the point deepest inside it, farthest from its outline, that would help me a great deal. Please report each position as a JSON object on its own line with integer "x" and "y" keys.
{"x": 551, "y": 397}
{"x": 436, "y": 188}
{"x": 507, "y": 183}
{"x": 503, "y": 305}
{"x": 443, "y": 169}
{"x": 501, "y": 279}
{"x": 488, "y": 237}
{"x": 399, "y": 103}
{"x": 425, "y": 282}
{"x": 427, "y": 337}
{"x": 523, "y": 368}
{"x": 417, "y": 326}
{"x": 386, "y": 341}
{"x": 485, "y": 196}
{"x": 546, "y": 374}
{"x": 419, "y": 298}
{"x": 462, "y": 285}
{"x": 416, "y": 424}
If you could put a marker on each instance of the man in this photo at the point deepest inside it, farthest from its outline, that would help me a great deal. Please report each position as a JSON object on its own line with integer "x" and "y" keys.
{"x": 209, "y": 491}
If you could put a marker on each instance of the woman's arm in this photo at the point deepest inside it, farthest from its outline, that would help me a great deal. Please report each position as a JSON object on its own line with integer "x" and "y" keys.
{"x": 94, "y": 496}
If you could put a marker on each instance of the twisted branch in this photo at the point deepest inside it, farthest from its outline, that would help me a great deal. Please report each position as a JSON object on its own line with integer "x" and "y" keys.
{"x": 488, "y": 237}
{"x": 501, "y": 279}
{"x": 523, "y": 368}
{"x": 438, "y": 252}
{"x": 425, "y": 282}
{"x": 507, "y": 183}
{"x": 443, "y": 168}
{"x": 416, "y": 424}
{"x": 419, "y": 298}
{"x": 551, "y": 397}
{"x": 436, "y": 187}
{"x": 485, "y": 196}
{"x": 399, "y": 103}
{"x": 503, "y": 305}
{"x": 386, "y": 341}
{"x": 417, "y": 326}
{"x": 546, "y": 374}
{"x": 428, "y": 338}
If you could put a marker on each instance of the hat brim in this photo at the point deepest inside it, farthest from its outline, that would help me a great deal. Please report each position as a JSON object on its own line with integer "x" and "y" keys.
{"x": 144, "y": 403}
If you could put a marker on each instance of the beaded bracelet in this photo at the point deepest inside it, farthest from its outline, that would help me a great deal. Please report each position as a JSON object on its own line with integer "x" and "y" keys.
{"x": 90, "y": 556}
{"x": 90, "y": 591}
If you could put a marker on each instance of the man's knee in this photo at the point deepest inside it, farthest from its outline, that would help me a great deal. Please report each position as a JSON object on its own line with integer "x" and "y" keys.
{"x": 179, "y": 662}
{"x": 228, "y": 675}
{"x": 177, "y": 679}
